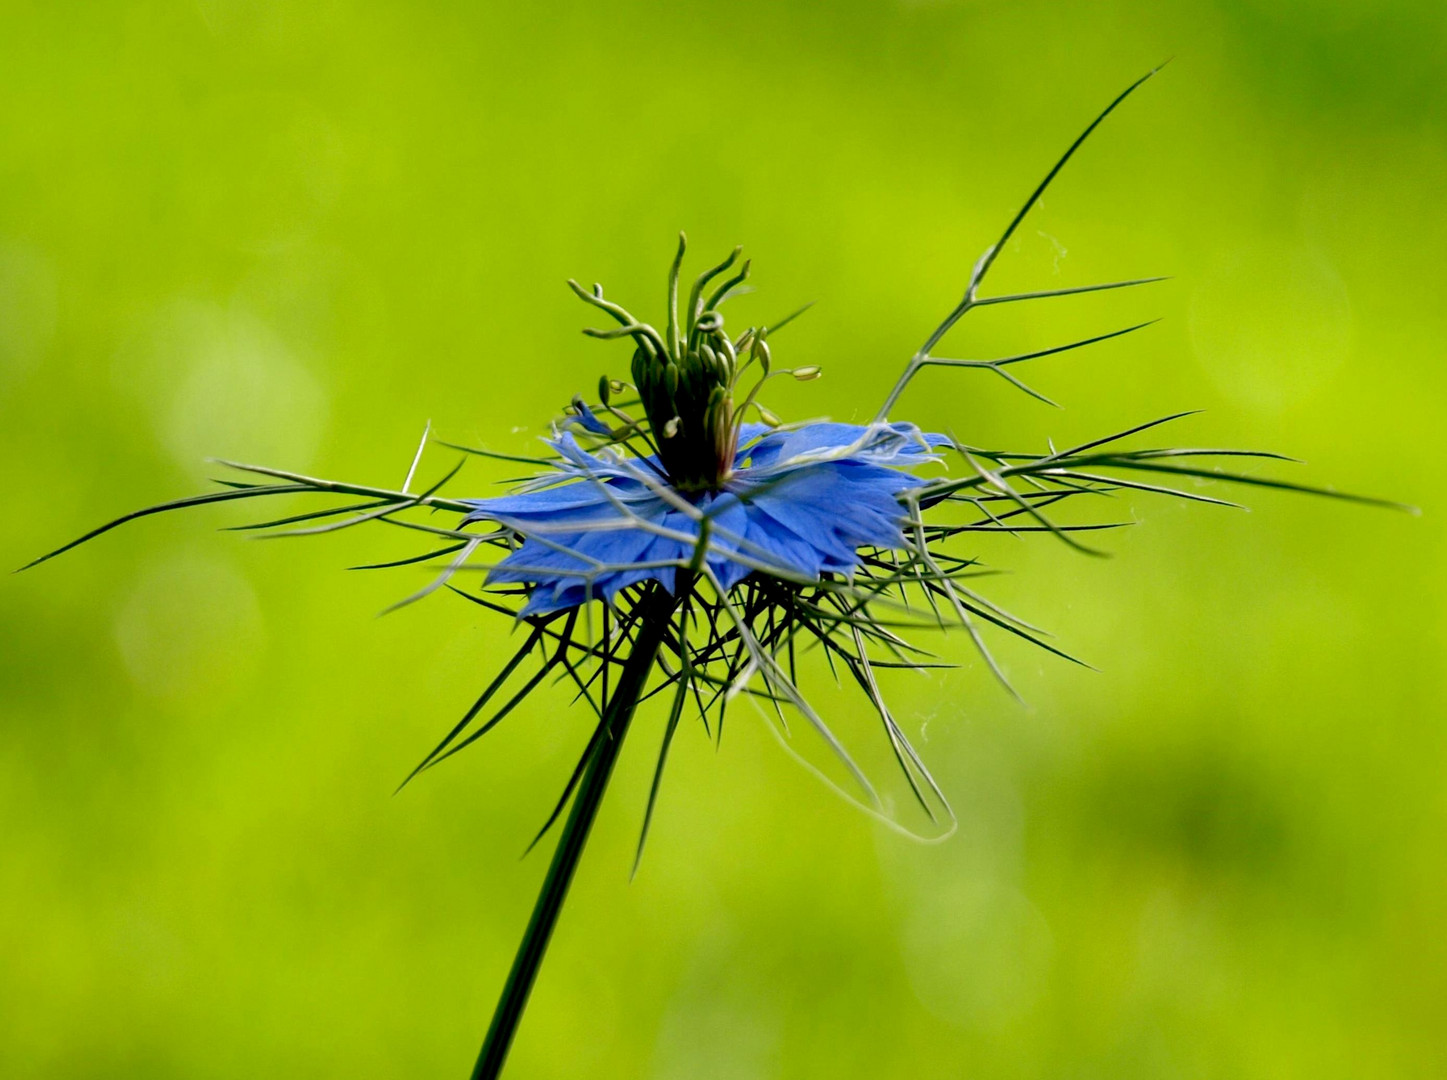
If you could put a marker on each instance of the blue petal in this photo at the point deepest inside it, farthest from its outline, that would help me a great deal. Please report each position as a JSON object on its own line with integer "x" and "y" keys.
{"x": 587, "y": 419}
{"x": 883, "y": 444}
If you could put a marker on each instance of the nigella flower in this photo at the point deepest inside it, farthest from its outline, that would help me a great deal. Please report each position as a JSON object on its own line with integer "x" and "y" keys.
{"x": 718, "y": 547}
{"x": 796, "y": 503}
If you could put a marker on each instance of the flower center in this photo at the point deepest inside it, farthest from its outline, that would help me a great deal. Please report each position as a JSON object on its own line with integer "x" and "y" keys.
{"x": 690, "y": 409}
{"x": 686, "y": 377}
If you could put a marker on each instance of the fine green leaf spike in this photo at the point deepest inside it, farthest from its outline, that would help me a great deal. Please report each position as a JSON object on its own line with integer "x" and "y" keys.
{"x": 987, "y": 260}
{"x": 177, "y": 504}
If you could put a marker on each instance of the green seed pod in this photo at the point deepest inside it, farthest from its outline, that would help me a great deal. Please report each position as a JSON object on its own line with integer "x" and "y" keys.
{"x": 760, "y": 353}
{"x": 805, "y": 374}
{"x": 605, "y": 389}
{"x": 640, "y": 368}
{"x": 713, "y": 364}
{"x": 726, "y": 351}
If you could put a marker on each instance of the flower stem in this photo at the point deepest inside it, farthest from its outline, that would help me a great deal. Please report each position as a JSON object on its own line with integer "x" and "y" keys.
{"x": 658, "y": 607}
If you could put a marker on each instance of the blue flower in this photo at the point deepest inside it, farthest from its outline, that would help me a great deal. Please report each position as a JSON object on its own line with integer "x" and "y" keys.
{"x": 799, "y": 502}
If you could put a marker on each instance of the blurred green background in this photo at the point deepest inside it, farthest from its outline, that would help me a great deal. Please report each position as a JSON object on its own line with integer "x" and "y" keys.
{"x": 293, "y": 233}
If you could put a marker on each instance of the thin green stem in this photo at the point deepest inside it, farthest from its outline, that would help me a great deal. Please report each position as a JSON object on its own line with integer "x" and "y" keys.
{"x": 617, "y": 714}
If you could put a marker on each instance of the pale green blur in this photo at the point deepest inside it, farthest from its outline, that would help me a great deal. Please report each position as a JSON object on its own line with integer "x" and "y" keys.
{"x": 294, "y": 233}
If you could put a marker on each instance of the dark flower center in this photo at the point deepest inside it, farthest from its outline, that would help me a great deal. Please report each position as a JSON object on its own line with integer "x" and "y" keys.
{"x": 690, "y": 410}
{"x": 686, "y": 377}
